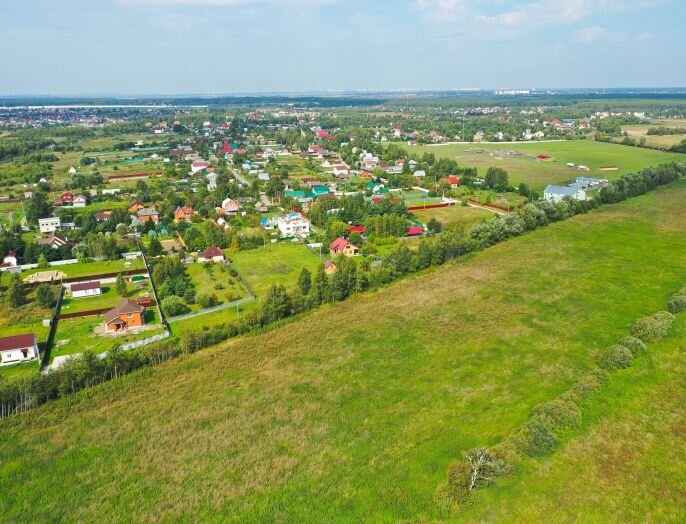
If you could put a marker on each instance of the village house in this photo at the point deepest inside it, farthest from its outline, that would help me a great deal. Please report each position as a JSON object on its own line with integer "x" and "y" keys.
{"x": 196, "y": 167}
{"x": 49, "y": 225}
{"x": 293, "y": 224}
{"x": 557, "y": 193}
{"x": 136, "y": 206}
{"x": 230, "y": 206}
{"x": 9, "y": 261}
{"x": 18, "y": 348}
{"x": 148, "y": 214}
{"x": 79, "y": 201}
{"x": 184, "y": 214}
{"x": 128, "y": 314}
{"x": 54, "y": 242}
{"x": 453, "y": 181}
{"x": 345, "y": 247}
{"x": 212, "y": 254}
{"x": 329, "y": 267}
{"x": 102, "y": 216}
{"x": 64, "y": 199}
{"x": 86, "y": 289}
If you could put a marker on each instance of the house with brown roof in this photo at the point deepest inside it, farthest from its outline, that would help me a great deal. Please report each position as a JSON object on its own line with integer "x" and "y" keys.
{"x": 184, "y": 214}
{"x": 86, "y": 289}
{"x": 127, "y": 315}
{"x": 136, "y": 206}
{"x": 19, "y": 348}
{"x": 212, "y": 254}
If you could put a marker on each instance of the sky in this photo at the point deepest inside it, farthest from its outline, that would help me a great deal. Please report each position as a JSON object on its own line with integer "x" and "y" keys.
{"x": 137, "y": 47}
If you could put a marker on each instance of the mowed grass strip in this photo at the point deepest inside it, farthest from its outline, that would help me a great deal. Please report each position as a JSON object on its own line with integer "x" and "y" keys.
{"x": 353, "y": 412}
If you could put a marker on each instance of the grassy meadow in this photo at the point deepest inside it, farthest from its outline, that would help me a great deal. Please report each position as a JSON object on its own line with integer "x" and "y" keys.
{"x": 353, "y": 412}
{"x": 526, "y": 168}
{"x": 278, "y": 263}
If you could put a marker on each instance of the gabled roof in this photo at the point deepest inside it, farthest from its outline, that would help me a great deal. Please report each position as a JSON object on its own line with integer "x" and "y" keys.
{"x": 84, "y": 286}
{"x": 339, "y": 244}
{"x": 126, "y": 305}
{"x": 17, "y": 342}
{"x": 561, "y": 190}
{"x": 212, "y": 251}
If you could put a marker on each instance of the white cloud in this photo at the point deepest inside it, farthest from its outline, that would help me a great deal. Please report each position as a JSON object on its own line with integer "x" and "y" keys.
{"x": 534, "y": 13}
{"x": 589, "y": 35}
{"x": 218, "y": 3}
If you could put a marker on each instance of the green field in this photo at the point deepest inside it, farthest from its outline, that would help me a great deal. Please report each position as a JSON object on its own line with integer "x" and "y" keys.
{"x": 278, "y": 263}
{"x": 538, "y": 174}
{"x": 76, "y": 335}
{"x": 454, "y": 215}
{"x": 353, "y": 413}
{"x": 91, "y": 268}
{"x": 206, "y": 279}
{"x": 108, "y": 298}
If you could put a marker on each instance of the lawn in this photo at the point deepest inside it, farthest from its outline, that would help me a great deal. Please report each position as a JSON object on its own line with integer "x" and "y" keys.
{"x": 91, "y": 268}
{"x": 353, "y": 413}
{"x": 454, "y": 215}
{"x": 538, "y": 174}
{"x": 108, "y": 298}
{"x": 215, "y": 279}
{"x": 278, "y": 263}
{"x": 76, "y": 335}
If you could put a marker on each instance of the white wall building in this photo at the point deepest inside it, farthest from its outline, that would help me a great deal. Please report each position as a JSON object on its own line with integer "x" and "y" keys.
{"x": 19, "y": 348}
{"x": 293, "y": 225}
{"x": 49, "y": 225}
{"x": 557, "y": 193}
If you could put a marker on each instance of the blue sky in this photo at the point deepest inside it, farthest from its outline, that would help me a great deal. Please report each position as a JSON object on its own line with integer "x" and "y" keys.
{"x": 229, "y": 46}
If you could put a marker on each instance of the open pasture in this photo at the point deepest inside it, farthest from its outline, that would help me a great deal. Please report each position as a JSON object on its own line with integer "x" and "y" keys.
{"x": 357, "y": 409}
{"x": 520, "y": 161}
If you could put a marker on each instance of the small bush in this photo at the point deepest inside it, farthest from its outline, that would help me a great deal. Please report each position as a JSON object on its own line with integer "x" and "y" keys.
{"x": 583, "y": 390}
{"x": 219, "y": 286}
{"x": 615, "y": 357}
{"x": 635, "y": 345}
{"x": 206, "y": 301}
{"x": 459, "y": 474}
{"x": 537, "y": 437}
{"x": 562, "y": 414}
{"x": 677, "y": 304}
{"x": 602, "y": 376}
{"x": 173, "y": 306}
{"x": 653, "y": 327}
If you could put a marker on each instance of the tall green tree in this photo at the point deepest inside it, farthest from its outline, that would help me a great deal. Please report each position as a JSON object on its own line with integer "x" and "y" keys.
{"x": 16, "y": 295}
{"x": 120, "y": 285}
{"x": 45, "y": 297}
{"x": 305, "y": 281}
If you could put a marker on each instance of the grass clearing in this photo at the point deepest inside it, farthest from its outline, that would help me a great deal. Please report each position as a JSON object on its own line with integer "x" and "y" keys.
{"x": 206, "y": 280}
{"x": 91, "y": 268}
{"x": 454, "y": 215}
{"x": 526, "y": 168}
{"x": 276, "y": 264}
{"x": 355, "y": 411}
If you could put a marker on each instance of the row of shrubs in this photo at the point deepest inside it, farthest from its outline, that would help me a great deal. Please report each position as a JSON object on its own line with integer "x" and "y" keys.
{"x": 541, "y": 434}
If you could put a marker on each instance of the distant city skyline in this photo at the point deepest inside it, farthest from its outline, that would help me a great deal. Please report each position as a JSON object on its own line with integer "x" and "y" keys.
{"x": 224, "y": 47}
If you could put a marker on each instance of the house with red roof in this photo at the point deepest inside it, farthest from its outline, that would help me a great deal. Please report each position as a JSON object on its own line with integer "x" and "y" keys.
{"x": 453, "y": 181}
{"x": 344, "y": 247}
{"x": 86, "y": 289}
{"x": 414, "y": 231}
{"x": 356, "y": 229}
{"x": 18, "y": 348}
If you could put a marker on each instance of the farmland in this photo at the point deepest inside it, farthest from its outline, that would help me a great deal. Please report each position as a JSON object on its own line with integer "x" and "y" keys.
{"x": 353, "y": 412}
{"x": 524, "y": 167}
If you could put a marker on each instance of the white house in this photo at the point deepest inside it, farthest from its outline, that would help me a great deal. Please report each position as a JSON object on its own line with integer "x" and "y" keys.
{"x": 10, "y": 259}
{"x": 79, "y": 201}
{"x": 230, "y": 206}
{"x": 49, "y": 225}
{"x": 557, "y": 193}
{"x": 19, "y": 348}
{"x": 198, "y": 166}
{"x": 293, "y": 224}
{"x": 86, "y": 289}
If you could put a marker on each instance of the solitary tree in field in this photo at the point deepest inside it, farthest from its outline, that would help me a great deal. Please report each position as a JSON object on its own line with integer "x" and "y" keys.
{"x": 121, "y": 286}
